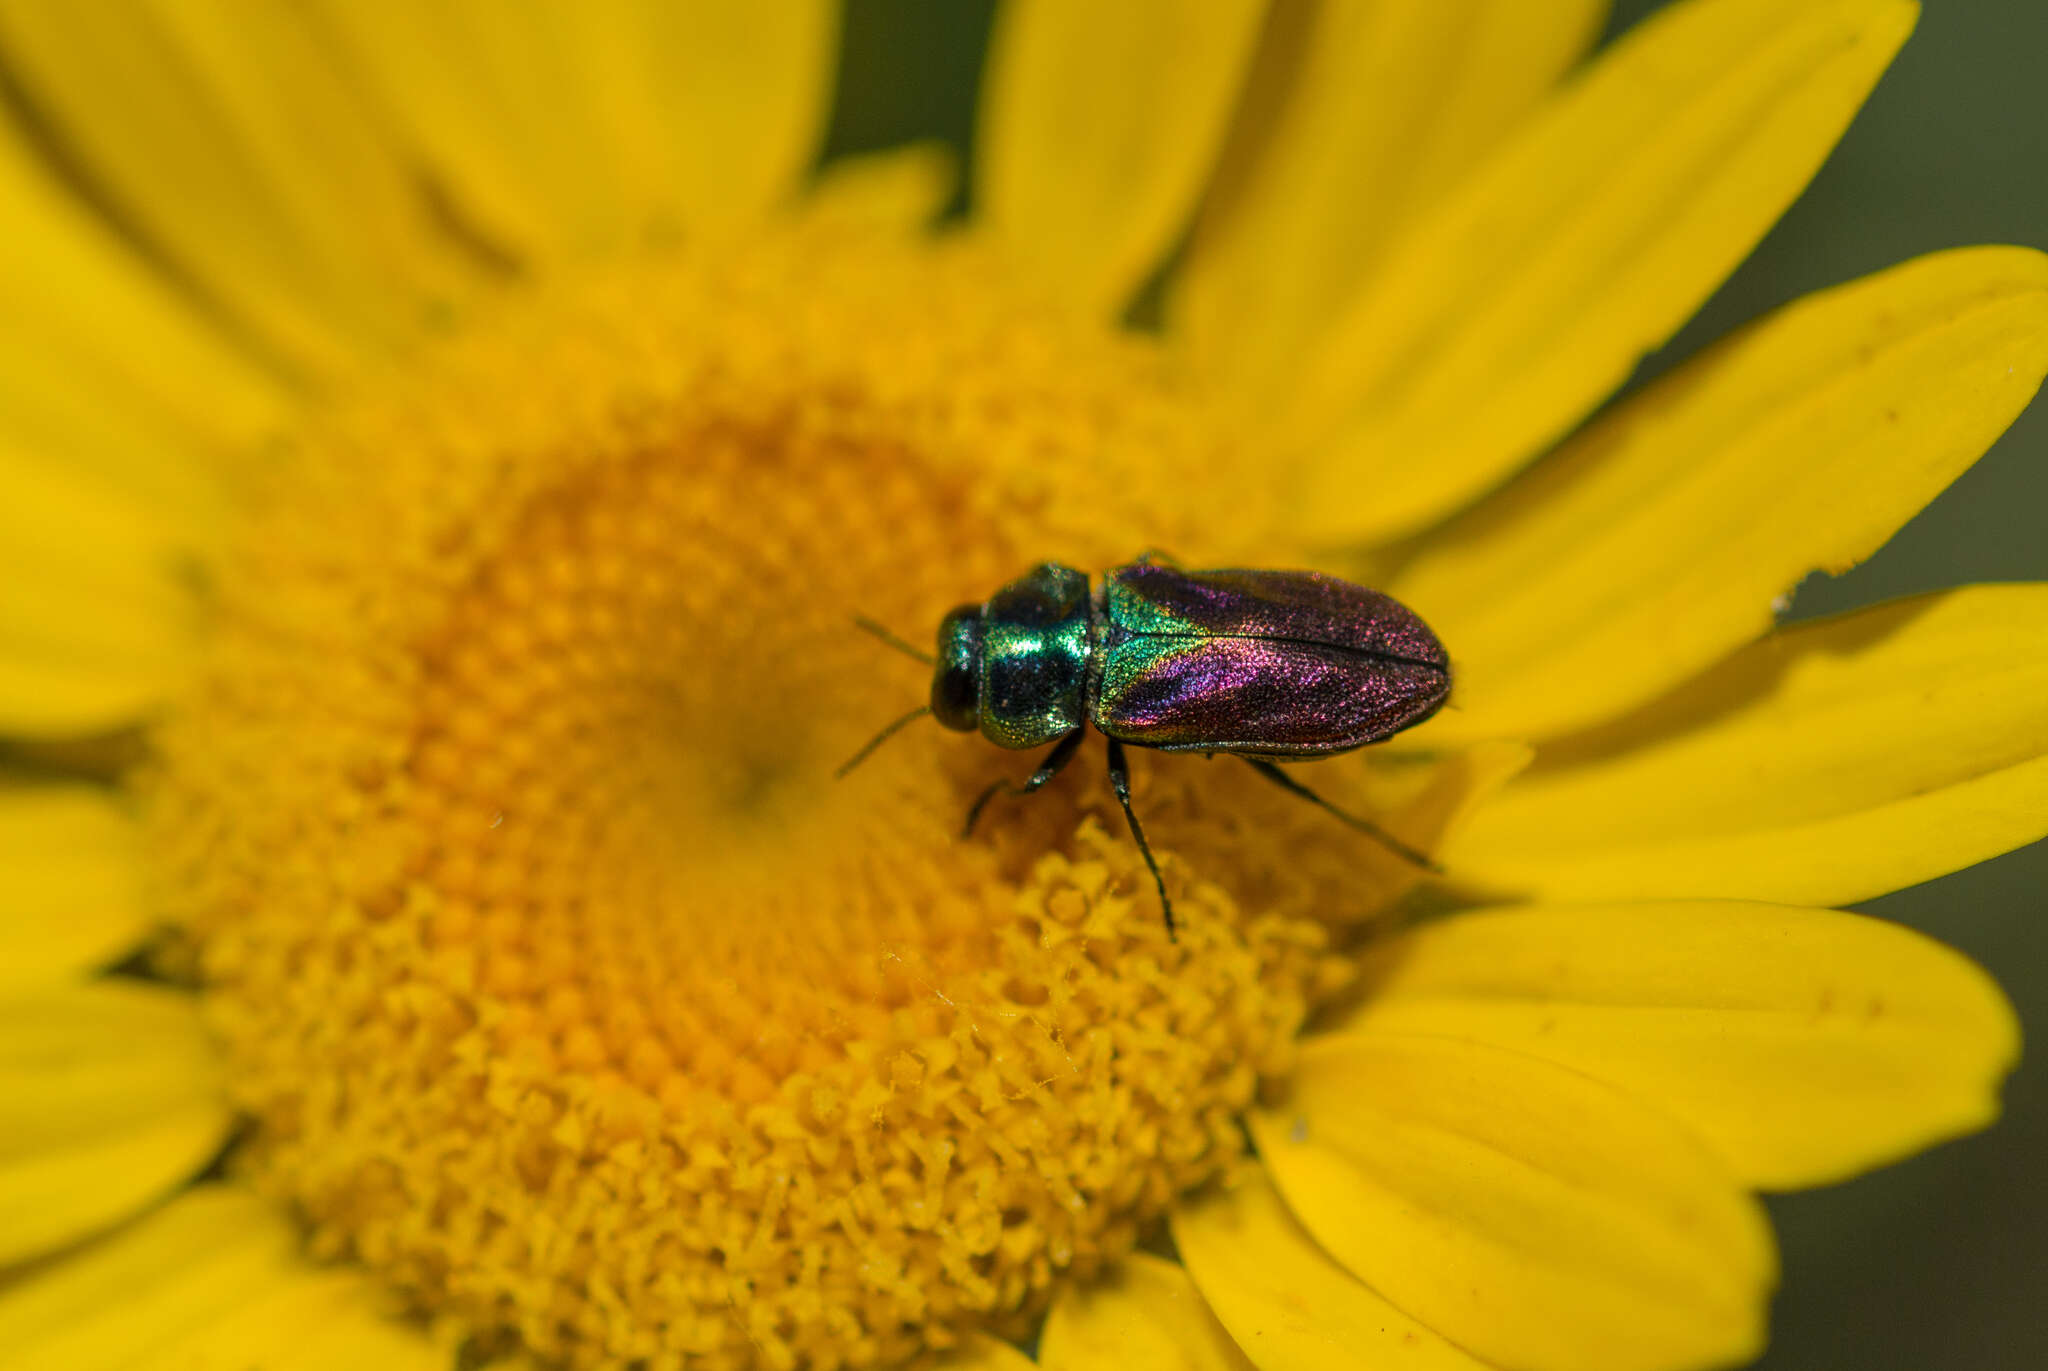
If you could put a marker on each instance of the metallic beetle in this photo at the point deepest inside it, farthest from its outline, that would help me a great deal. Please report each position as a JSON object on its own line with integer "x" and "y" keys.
{"x": 1270, "y": 666}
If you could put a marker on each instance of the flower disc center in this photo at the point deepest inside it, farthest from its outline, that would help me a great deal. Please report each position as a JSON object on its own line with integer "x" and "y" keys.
{"x": 564, "y": 985}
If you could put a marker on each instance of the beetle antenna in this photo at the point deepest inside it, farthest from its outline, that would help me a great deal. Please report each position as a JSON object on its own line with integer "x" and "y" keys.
{"x": 863, "y": 622}
{"x": 884, "y": 736}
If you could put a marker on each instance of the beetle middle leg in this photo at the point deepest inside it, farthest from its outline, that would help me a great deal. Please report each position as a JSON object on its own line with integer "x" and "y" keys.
{"x": 1062, "y": 753}
{"x": 1373, "y": 830}
{"x": 1120, "y": 781}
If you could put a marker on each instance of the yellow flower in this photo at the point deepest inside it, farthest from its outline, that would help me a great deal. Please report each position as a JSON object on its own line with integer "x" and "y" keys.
{"x": 443, "y": 451}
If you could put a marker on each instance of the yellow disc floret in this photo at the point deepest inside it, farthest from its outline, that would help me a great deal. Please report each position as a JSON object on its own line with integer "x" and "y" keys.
{"x": 563, "y": 985}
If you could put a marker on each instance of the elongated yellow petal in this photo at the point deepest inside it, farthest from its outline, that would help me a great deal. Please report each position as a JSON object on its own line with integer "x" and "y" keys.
{"x": 1283, "y": 1300}
{"x": 110, "y": 1095}
{"x": 1804, "y": 1045}
{"x": 104, "y": 365}
{"x": 980, "y": 1352}
{"x": 1358, "y": 116}
{"x": 898, "y": 190}
{"x": 212, "y": 1282}
{"x": 230, "y": 135}
{"x": 94, "y": 627}
{"x": 60, "y": 402}
{"x": 1099, "y": 125}
{"x": 1529, "y": 1214}
{"x": 1828, "y": 763}
{"x": 1508, "y": 312}
{"x": 70, "y": 884}
{"x": 580, "y": 128}
{"x": 716, "y": 110}
{"x": 1653, "y": 544}
{"x": 1146, "y": 1313}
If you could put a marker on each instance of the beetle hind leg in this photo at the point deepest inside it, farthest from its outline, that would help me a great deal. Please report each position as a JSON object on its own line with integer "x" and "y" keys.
{"x": 1365, "y": 826}
{"x": 1055, "y": 761}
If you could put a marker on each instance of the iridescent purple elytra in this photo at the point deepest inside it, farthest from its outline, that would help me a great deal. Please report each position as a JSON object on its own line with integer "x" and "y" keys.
{"x": 1270, "y": 666}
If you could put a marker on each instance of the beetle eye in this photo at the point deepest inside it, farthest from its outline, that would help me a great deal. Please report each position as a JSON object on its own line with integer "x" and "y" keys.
{"x": 954, "y": 700}
{"x": 956, "y": 682}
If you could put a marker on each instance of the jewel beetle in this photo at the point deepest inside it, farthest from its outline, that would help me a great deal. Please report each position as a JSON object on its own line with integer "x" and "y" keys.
{"x": 1269, "y": 666}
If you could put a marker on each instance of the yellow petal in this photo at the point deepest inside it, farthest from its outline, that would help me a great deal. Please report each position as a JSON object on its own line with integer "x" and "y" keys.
{"x": 575, "y": 129}
{"x": 1357, "y": 117}
{"x": 237, "y": 144}
{"x": 1099, "y": 125}
{"x": 70, "y": 884}
{"x": 1528, "y": 1214}
{"x": 103, "y": 363}
{"x": 1829, "y": 763}
{"x": 1143, "y": 1313}
{"x": 721, "y": 125}
{"x": 110, "y": 1095}
{"x": 94, "y": 625}
{"x": 1804, "y": 1045}
{"x": 980, "y": 1352}
{"x": 212, "y": 1282}
{"x": 1283, "y": 1300}
{"x": 1504, "y": 315}
{"x": 1654, "y": 543}
{"x": 900, "y": 189}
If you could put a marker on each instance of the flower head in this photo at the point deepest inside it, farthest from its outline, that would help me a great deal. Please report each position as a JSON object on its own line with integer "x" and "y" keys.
{"x": 446, "y": 650}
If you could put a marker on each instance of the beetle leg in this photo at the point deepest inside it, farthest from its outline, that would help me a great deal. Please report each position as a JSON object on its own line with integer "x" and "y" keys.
{"x": 1120, "y": 781}
{"x": 1386, "y": 839}
{"x": 1153, "y": 556}
{"x": 1062, "y": 753}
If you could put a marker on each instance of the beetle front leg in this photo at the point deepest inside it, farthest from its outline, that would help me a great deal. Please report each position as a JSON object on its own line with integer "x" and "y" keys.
{"x": 1062, "y": 753}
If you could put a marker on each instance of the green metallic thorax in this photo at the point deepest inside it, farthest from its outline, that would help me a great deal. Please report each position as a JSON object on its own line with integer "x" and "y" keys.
{"x": 1139, "y": 637}
{"x": 1036, "y": 637}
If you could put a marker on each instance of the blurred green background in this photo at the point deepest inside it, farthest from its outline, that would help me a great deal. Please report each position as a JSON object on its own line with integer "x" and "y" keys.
{"x": 1940, "y": 1262}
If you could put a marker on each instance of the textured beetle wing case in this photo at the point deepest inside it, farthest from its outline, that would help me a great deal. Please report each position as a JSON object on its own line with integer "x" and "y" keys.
{"x": 1297, "y": 606}
{"x": 1276, "y": 663}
